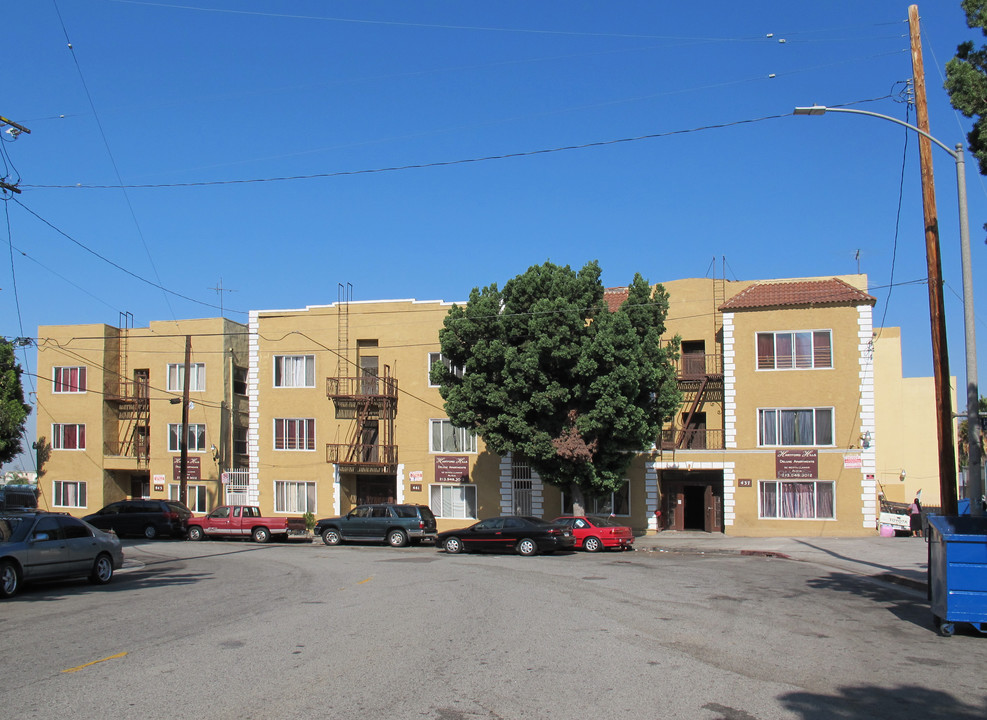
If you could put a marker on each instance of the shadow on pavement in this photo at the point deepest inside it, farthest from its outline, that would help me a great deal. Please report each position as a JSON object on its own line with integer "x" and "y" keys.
{"x": 867, "y": 702}
{"x": 909, "y": 609}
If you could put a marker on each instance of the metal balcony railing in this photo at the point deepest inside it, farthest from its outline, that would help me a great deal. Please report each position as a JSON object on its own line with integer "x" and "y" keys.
{"x": 694, "y": 366}
{"x": 370, "y": 455}
{"x": 691, "y": 439}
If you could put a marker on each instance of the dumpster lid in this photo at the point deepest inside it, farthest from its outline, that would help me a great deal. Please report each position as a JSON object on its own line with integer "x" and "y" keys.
{"x": 963, "y": 528}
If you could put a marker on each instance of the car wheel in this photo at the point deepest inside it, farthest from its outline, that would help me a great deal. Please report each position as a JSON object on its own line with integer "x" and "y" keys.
{"x": 150, "y": 532}
{"x": 397, "y": 538}
{"x": 452, "y": 545}
{"x": 527, "y": 547}
{"x": 195, "y": 533}
{"x": 592, "y": 544}
{"x": 10, "y": 579}
{"x": 102, "y": 570}
{"x": 331, "y": 536}
{"x": 261, "y": 535}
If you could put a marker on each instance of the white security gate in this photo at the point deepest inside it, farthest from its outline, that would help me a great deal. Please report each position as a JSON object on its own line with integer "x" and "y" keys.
{"x": 235, "y": 484}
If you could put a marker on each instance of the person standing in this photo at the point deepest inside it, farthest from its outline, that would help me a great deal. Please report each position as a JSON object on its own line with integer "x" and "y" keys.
{"x": 915, "y": 517}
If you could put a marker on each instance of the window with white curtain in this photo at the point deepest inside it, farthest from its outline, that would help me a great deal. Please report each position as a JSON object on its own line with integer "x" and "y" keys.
{"x": 797, "y": 499}
{"x": 196, "y": 377}
{"x": 294, "y": 497}
{"x": 786, "y": 427}
{"x": 292, "y": 371}
{"x": 195, "y": 496}
{"x": 70, "y": 494}
{"x": 453, "y": 501}
{"x": 196, "y": 437}
{"x": 447, "y": 438}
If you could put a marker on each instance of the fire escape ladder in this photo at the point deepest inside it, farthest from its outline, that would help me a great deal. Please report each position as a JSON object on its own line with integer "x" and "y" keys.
{"x": 697, "y": 402}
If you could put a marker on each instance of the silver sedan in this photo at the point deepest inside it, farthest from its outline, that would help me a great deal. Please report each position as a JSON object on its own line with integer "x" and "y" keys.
{"x": 51, "y": 546}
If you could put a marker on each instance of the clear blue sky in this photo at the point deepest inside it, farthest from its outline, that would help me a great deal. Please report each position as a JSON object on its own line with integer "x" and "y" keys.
{"x": 221, "y": 91}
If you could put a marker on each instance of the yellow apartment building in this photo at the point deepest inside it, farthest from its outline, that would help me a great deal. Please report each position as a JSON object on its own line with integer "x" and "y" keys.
{"x": 110, "y": 406}
{"x": 795, "y": 415}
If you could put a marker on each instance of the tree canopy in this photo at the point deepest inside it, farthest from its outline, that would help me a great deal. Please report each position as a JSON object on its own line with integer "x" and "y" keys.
{"x": 543, "y": 368}
{"x": 13, "y": 409}
{"x": 966, "y": 81}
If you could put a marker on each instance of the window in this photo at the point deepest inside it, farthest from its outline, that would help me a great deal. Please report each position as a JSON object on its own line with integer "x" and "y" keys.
{"x": 453, "y": 501}
{"x": 806, "y": 500}
{"x": 449, "y": 439}
{"x": 195, "y": 496}
{"x": 239, "y": 380}
{"x": 70, "y": 494}
{"x": 196, "y": 437}
{"x": 294, "y": 497}
{"x": 434, "y": 358}
{"x": 294, "y": 433}
{"x": 796, "y": 426}
{"x": 794, "y": 350}
{"x": 68, "y": 436}
{"x": 615, "y": 503}
{"x": 69, "y": 380}
{"x": 294, "y": 371}
{"x": 196, "y": 377}
{"x": 239, "y": 441}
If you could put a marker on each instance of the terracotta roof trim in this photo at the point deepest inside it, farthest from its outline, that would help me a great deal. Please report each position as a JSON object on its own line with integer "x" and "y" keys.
{"x": 806, "y": 293}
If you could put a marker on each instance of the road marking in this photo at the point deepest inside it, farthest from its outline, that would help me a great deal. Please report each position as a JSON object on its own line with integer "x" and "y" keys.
{"x": 365, "y": 581}
{"x": 85, "y": 665}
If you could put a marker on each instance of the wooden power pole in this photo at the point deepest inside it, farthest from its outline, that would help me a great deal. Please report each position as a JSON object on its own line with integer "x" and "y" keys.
{"x": 183, "y": 443}
{"x": 940, "y": 355}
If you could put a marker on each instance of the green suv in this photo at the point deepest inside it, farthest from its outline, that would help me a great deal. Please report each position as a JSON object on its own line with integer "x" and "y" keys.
{"x": 397, "y": 525}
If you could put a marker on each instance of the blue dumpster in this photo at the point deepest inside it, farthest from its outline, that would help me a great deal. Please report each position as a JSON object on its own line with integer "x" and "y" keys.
{"x": 958, "y": 571}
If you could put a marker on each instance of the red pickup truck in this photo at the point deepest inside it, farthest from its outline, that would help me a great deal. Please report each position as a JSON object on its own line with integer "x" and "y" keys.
{"x": 243, "y": 521}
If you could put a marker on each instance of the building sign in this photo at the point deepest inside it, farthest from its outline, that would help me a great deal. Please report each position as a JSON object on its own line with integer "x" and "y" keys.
{"x": 416, "y": 487}
{"x": 852, "y": 460}
{"x": 191, "y": 469}
{"x": 797, "y": 464}
{"x": 416, "y": 476}
{"x": 452, "y": 468}
{"x": 159, "y": 488}
{"x": 745, "y": 483}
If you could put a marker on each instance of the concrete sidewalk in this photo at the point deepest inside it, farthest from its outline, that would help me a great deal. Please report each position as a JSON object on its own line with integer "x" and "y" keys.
{"x": 902, "y": 560}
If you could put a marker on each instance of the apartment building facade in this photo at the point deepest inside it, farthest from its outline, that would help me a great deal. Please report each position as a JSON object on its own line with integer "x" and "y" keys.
{"x": 110, "y": 406}
{"x": 792, "y": 420}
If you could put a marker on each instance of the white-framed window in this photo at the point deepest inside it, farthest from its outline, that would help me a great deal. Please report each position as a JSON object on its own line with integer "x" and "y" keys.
{"x": 196, "y": 377}
{"x": 615, "y": 503}
{"x": 292, "y": 371}
{"x": 294, "y": 433}
{"x": 195, "y": 496}
{"x": 436, "y": 357}
{"x": 444, "y": 437}
{"x": 68, "y": 379}
{"x": 68, "y": 436}
{"x": 797, "y": 499}
{"x": 795, "y": 350}
{"x": 294, "y": 497}
{"x": 453, "y": 501}
{"x": 69, "y": 494}
{"x": 196, "y": 437}
{"x": 785, "y": 427}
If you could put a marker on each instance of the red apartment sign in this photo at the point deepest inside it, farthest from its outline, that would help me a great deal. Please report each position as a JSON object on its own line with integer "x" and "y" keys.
{"x": 452, "y": 468}
{"x": 797, "y": 464}
{"x": 191, "y": 469}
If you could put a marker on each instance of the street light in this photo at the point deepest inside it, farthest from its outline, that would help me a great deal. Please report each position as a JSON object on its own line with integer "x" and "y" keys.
{"x": 974, "y": 488}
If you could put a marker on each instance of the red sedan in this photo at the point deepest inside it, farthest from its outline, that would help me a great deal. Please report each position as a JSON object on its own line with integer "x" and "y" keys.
{"x": 597, "y": 533}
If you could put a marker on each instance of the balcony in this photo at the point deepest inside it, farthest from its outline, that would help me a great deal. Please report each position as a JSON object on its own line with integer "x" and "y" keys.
{"x": 127, "y": 391}
{"x": 691, "y": 439}
{"x": 696, "y": 366}
{"x": 364, "y": 458}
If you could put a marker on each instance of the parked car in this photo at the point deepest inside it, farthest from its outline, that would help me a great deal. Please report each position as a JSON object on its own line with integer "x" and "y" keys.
{"x": 397, "y": 525}
{"x": 593, "y": 533}
{"x": 150, "y": 518}
{"x": 244, "y": 521}
{"x": 524, "y": 535}
{"x": 18, "y": 496}
{"x": 37, "y": 545}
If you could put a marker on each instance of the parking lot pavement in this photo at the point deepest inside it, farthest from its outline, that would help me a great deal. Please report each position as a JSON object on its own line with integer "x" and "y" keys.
{"x": 902, "y": 560}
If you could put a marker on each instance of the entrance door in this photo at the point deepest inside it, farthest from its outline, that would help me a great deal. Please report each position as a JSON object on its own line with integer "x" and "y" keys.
{"x": 140, "y": 486}
{"x": 692, "y": 501}
{"x": 375, "y": 489}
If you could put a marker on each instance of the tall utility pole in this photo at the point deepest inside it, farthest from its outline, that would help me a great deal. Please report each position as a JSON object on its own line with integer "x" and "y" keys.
{"x": 940, "y": 355}
{"x": 15, "y": 130}
{"x": 183, "y": 443}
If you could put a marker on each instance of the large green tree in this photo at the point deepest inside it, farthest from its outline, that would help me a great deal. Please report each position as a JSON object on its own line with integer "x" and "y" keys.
{"x": 543, "y": 368}
{"x": 13, "y": 409}
{"x": 966, "y": 81}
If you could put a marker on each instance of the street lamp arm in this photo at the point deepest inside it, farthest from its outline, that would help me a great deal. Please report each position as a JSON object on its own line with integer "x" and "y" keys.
{"x": 822, "y": 109}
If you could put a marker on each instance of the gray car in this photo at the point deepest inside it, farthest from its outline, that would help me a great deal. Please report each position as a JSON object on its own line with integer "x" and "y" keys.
{"x": 52, "y": 546}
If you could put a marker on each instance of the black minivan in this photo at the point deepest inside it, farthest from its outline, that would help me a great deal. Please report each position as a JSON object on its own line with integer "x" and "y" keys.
{"x": 150, "y": 518}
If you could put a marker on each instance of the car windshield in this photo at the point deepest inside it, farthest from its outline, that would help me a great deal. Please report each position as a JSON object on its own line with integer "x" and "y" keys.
{"x": 604, "y": 522}
{"x": 13, "y": 529}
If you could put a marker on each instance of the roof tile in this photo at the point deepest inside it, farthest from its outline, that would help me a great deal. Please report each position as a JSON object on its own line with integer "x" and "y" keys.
{"x": 798, "y": 293}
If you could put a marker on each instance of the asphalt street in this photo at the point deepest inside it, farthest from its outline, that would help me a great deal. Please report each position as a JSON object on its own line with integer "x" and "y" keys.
{"x": 236, "y": 630}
